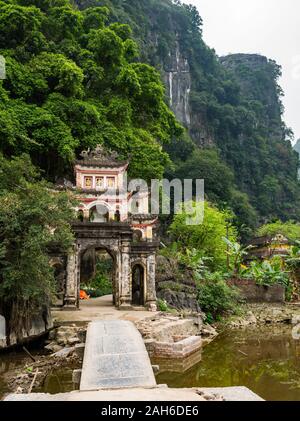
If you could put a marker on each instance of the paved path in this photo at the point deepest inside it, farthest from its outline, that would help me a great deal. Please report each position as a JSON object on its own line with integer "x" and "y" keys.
{"x": 115, "y": 357}
{"x": 98, "y": 309}
{"x": 142, "y": 394}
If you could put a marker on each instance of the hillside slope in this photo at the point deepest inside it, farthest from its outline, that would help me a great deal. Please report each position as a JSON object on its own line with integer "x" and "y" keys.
{"x": 231, "y": 103}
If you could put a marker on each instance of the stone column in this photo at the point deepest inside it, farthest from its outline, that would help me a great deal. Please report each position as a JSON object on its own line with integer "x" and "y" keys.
{"x": 71, "y": 297}
{"x": 86, "y": 215}
{"x": 125, "y": 293}
{"x": 150, "y": 283}
{"x": 117, "y": 278}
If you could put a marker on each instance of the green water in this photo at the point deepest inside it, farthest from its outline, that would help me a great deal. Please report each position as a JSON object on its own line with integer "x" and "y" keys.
{"x": 266, "y": 361}
{"x": 58, "y": 381}
{"x": 8, "y": 363}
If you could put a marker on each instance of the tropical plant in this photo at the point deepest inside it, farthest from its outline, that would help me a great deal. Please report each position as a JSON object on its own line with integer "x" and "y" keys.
{"x": 270, "y": 272}
{"x": 237, "y": 253}
{"x": 293, "y": 258}
{"x": 215, "y": 297}
{"x": 206, "y": 237}
{"x": 163, "y": 305}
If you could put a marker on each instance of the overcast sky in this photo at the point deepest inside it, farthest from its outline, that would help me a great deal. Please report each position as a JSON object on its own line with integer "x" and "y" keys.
{"x": 268, "y": 27}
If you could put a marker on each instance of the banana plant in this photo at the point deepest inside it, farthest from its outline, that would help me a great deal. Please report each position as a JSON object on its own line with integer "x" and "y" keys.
{"x": 237, "y": 252}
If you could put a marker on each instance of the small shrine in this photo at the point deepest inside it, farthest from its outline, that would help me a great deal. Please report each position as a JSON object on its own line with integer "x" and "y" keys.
{"x": 268, "y": 246}
{"x": 111, "y": 218}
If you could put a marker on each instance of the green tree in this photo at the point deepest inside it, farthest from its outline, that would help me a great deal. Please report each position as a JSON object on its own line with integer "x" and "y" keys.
{"x": 289, "y": 229}
{"x": 32, "y": 219}
{"x": 206, "y": 237}
{"x": 74, "y": 81}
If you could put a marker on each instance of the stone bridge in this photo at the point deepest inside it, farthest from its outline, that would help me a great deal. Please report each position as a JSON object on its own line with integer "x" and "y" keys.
{"x": 115, "y": 357}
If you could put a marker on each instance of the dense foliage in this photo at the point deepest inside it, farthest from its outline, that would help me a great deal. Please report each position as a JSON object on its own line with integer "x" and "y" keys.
{"x": 216, "y": 298}
{"x": 235, "y": 106}
{"x": 207, "y": 238}
{"x": 101, "y": 283}
{"x": 289, "y": 229}
{"x": 73, "y": 82}
{"x": 32, "y": 220}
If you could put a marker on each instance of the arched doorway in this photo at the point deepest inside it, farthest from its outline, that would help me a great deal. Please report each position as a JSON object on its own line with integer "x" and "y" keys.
{"x": 97, "y": 275}
{"x": 137, "y": 236}
{"x": 117, "y": 216}
{"x": 99, "y": 214}
{"x": 138, "y": 285}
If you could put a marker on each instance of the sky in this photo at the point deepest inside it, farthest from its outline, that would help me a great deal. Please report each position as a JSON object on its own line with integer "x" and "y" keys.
{"x": 267, "y": 27}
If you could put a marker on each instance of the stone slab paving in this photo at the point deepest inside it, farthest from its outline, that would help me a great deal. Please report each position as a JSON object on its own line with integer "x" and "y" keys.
{"x": 236, "y": 394}
{"x": 115, "y": 357}
{"x": 142, "y": 394}
{"x": 100, "y": 308}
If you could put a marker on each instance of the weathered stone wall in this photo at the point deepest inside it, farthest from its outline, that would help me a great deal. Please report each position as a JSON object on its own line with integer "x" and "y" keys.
{"x": 253, "y": 293}
{"x": 36, "y": 326}
{"x": 175, "y": 285}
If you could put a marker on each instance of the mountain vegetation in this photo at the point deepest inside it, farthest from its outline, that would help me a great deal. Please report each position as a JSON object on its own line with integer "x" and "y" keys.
{"x": 74, "y": 81}
{"x": 33, "y": 219}
{"x": 241, "y": 145}
{"x": 136, "y": 77}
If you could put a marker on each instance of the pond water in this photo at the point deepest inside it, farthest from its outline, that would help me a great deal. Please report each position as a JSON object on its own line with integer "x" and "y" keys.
{"x": 58, "y": 381}
{"x": 9, "y": 362}
{"x": 266, "y": 361}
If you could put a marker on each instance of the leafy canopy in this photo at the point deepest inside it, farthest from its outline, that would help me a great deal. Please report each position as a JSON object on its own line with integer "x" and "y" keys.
{"x": 208, "y": 237}
{"x": 32, "y": 219}
{"x": 74, "y": 81}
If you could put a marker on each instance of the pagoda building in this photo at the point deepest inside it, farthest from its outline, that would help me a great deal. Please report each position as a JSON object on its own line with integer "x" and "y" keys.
{"x": 114, "y": 219}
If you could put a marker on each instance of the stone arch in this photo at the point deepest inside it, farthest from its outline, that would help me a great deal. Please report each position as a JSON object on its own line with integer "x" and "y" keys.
{"x": 112, "y": 252}
{"x": 99, "y": 211}
{"x": 80, "y": 215}
{"x": 137, "y": 235}
{"x": 117, "y": 239}
{"x": 99, "y": 203}
{"x": 117, "y": 216}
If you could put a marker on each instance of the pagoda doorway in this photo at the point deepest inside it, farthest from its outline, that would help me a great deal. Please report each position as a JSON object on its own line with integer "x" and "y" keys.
{"x": 97, "y": 276}
{"x": 138, "y": 285}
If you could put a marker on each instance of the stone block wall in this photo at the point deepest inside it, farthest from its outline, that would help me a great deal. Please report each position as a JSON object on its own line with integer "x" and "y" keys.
{"x": 253, "y": 293}
{"x": 180, "y": 349}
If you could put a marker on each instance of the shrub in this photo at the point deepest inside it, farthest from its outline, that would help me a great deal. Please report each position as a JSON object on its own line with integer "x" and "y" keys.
{"x": 101, "y": 285}
{"x": 205, "y": 238}
{"x": 162, "y": 305}
{"x": 270, "y": 272}
{"x": 216, "y": 298}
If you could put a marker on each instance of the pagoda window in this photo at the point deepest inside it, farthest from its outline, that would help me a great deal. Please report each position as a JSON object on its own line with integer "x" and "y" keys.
{"x": 99, "y": 182}
{"x": 88, "y": 182}
{"x": 111, "y": 182}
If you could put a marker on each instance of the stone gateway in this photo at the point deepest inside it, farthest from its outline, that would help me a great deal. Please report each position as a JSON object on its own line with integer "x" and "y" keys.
{"x": 116, "y": 221}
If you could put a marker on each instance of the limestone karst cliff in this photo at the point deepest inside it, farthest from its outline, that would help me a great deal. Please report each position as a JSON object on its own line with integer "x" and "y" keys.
{"x": 230, "y": 103}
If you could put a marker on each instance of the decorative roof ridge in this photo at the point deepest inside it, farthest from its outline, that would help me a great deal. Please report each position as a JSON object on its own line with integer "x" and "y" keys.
{"x": 100, "y": 156}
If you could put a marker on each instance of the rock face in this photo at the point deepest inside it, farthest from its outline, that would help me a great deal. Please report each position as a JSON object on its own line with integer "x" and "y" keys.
{"x": 232, "y": 103}
{"x": 248, "y": 67}
{"x": 297, "y": 149}
{"x": 267, "y": 314}
{"x": 253, "y": 293}
{"x": 175, "y": 285}
{"x": 177, "y": 78}
{"x": 31, "y": 329}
